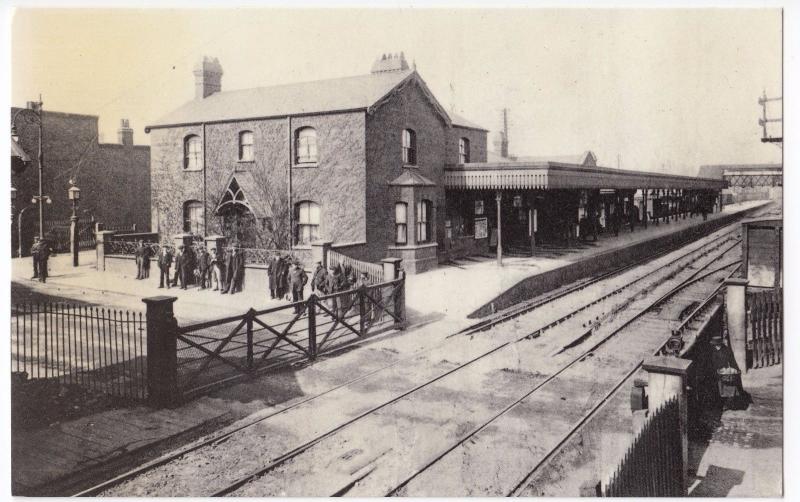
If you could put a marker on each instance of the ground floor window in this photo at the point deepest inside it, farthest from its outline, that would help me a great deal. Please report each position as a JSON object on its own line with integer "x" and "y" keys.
{"x": 424, "y": 210}
{"x": 401, "y": 223}
{"x": 307, "y": 216}
{"x": 193, "y": 217}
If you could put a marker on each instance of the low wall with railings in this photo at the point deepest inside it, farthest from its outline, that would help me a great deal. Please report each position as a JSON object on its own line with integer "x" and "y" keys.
{"x": 348, "y": 264}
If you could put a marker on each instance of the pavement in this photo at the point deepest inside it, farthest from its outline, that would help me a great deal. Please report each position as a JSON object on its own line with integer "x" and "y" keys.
{"x": 438, "y": 303}
{"x": 744, "y": 456}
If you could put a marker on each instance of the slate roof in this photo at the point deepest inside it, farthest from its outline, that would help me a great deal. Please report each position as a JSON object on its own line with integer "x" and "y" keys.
{"x": 460, "y": 121}
{"x": 319, "y": 96}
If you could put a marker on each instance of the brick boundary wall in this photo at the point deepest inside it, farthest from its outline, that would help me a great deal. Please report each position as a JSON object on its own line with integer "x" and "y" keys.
{"x": 594, "y": 265}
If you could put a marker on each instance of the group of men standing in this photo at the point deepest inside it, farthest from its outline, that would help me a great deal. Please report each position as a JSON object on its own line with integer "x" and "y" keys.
{"x": 40, "y": 252}
{"x": 223, "y": 272}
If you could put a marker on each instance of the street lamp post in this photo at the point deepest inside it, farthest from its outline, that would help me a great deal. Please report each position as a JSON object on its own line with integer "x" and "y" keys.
{"x": 74, "y": 196}
{"x": 33, "y": 114}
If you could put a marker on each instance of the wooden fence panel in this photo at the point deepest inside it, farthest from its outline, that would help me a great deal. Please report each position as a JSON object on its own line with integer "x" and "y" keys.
{"x": 764, "y": 327}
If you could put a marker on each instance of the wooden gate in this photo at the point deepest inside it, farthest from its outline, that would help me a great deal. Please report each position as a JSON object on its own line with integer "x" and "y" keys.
{"x": 764, "y": 328}
{"x": 223, "y": 350}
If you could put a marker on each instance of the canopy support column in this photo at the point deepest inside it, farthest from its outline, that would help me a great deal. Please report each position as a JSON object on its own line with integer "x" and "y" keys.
{"x": 499, "y": 199}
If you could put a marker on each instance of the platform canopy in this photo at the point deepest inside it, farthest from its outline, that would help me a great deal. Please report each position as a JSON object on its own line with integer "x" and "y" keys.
{"x": 556, "y": 175}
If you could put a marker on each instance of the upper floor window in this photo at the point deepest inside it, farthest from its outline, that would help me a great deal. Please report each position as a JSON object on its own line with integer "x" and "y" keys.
{"x": 246, "y": 145}
{"x": 305, "y": 146}
{"x": 192, "y": 152}
{"x": 401, "y": 223}
{"x": 307, "y": 217}
{"x": 409, "y": 147}
{"x": 463, "y": 151}
{"x": 424, "y": 210}
{"x": 193, "y": 217}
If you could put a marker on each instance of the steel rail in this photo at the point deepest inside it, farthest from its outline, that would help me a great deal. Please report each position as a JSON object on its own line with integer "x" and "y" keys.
{"x": 680, "y": 287}
{"x": 482, "y": 326}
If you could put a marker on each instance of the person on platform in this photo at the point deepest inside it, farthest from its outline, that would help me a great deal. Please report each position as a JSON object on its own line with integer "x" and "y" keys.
{"x": 215, "y": 270}
{"x": 333, "y": 284}
{"x": 283, "y": 276}
{"x": 43, "y": 256}
{"x": 633, "y": 215}
{"x": 272, "y": 268}
{"x": 139, "y": 255}
{"x": 35, "y": 256}
{"x": 297, "y": 282}
{"x": 146, "y": 262}
{"x": 239, "y": 263}
{"x": 202, "y": 267}
{"x": 177, "y": 260}
{"x": 318, "y": 279}
{"x": 164, "y": 264}
{"x": 615, "y": 220}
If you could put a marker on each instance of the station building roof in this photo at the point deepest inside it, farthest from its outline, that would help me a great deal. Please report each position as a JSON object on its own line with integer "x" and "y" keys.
{"x": 557, "y": 175}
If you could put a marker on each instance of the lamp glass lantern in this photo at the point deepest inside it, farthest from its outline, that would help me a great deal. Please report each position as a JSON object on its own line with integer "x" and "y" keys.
{"x": 74, "y": 194}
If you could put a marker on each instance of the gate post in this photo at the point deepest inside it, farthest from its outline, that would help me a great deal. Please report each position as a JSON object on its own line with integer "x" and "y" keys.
{"x": 101, "y": 239}
{"x": 250, "y": 315}
{"x": 311, "y": 305}
{"x": 319, "y": 252}
{"x": 162, "y": 372}
{"x": 736, "y": 316}
{"x": 362, "y": 311}
{"x": 667, "y": 379}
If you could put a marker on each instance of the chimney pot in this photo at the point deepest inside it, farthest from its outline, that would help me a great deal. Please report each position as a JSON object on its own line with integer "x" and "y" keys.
{"x": 125, "y": 133}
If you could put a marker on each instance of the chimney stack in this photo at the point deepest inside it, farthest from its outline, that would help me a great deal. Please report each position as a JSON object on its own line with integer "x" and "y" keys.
{"x": 389, "y": 63}
{"x": 125, "y": 133}
{"x": 207, "y": 77}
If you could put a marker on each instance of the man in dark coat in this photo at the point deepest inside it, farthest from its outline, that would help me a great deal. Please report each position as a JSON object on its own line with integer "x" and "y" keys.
{"x": 43, "y": 256}
{"x": 272, "y": 269}
{"x": 238, "y": 270}
{"x": 318, "y": 279}
{"x": 146, "y": 262}
{"x": 177, "y": 260}
{"x": 227, "y": 267}
{"x": 202, "y": 267}
{"x": 35, "y": 256}
{"x": 333, "y": 284}
{"x": 283, "y": 276}
{"x": 164, "y": 263}
{"x": 297, "y": 282}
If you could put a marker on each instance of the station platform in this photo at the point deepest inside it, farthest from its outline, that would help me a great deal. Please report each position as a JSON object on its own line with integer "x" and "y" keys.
{"x": 460, "y": 288}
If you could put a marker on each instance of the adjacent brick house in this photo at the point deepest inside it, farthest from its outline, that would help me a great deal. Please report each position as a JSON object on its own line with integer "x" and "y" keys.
{"x": 358, "y": 161}
{"x": 114, "y": 178}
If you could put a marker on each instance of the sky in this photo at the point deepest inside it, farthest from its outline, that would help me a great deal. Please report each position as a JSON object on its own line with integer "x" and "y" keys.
{"x": 656, "y": 90}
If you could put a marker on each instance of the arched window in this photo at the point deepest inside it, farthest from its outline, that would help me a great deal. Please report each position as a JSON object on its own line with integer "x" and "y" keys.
{"x": 307, "y": 217}
{"x": 409, "y": 147}
{"x": 423, "y": 217}
{"x": 193, "y": 217}
{"x": 463, "y": 151}
{"x": 246, "y": 145}
{"x": 305, "y": 146}
{"x": 401, "y": 223}
{"x": 192, "y": 152}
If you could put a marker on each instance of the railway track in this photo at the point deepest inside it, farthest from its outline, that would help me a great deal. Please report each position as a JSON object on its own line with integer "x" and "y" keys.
{"x": 373, "y": 482}
{"x": 605, "y": 306}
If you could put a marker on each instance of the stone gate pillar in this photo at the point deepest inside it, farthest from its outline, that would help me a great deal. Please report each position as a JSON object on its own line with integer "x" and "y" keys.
{"x": 101, "y": 239}
{"x": 736, "y": 317}
{"x": 162, "y": 373}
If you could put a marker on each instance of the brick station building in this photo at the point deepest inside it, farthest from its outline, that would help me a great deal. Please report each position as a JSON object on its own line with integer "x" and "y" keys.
{"x": 372, "y": 164}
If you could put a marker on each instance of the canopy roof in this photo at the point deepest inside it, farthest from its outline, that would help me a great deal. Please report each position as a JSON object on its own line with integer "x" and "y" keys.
{"x": 557, "y": 175}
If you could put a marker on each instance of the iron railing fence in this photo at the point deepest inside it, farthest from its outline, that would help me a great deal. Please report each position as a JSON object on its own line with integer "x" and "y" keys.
{"x": 764, "y": 327}
{"x": 373, "y": 270}
{"x": 215, "y": 352}
{"x": 98, "y": 348}
{"x": 653, "y": 464}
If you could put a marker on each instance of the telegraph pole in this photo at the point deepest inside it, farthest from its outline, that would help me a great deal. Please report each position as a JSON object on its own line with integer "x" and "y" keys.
{"x": 764, "y": 120}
